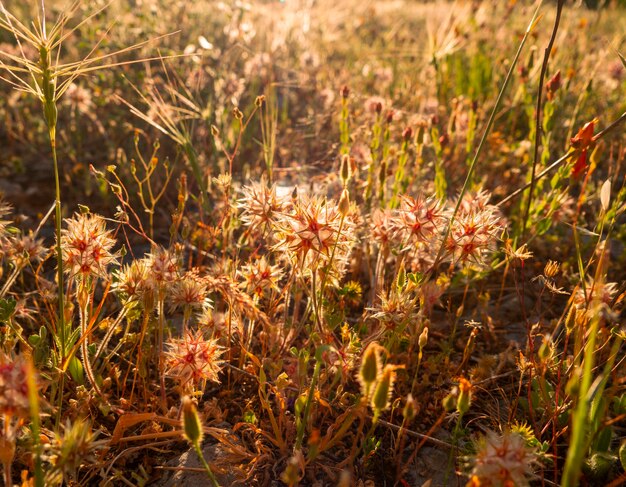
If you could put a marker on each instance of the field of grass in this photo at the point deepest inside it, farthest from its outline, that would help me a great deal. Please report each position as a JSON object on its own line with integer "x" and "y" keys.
{"x": 313, "y": 243}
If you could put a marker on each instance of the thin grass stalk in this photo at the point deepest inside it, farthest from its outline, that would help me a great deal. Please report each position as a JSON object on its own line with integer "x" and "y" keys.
{"x": 580, "y": 424}
{"x": 542, "y": 75}
{"x": 35, "y": 427}
{"x": 205, "y": 465}
{"x": 50, "y": 113}
{"x": 309, "y": 400}
{"x": 160, "y": 329}
{"x": 84, "y": 299}
{"x": 8, "y": 450}
{"x": 490, "y": 122}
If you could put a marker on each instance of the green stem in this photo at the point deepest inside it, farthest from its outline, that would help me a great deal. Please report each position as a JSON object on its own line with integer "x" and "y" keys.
{"x": 542, "y": 75}
{"x": 204, "y": 463}
{"x": 85, "y": 299}
{"x": 479, "y": 149}
{"x": 309, "y": 399}
{"x": 61, "y": 329}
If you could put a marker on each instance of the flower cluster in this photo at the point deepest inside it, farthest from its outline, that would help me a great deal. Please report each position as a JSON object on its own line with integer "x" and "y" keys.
{"x": 475, "y": 230}
{"x": 419, "y": 225}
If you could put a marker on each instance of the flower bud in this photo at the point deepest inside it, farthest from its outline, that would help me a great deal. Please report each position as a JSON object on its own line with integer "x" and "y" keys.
{"x": 410, "y": 408}
{"x": 465, "y": 396}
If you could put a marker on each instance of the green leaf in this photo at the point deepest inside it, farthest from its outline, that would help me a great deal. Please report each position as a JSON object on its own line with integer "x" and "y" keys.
{"x": 7, "y": 308}
{"x": 249, "y": 417}
{"x": 622, "y": 454}
{"x": 75, "y": 368}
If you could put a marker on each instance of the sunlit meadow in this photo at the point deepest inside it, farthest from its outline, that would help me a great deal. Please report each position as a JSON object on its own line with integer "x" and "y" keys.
{"x": 313, "y": 243}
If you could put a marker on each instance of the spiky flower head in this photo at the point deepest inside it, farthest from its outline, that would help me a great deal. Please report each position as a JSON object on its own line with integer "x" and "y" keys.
{"x": 132, "y": 280}
{"x": 383, "y": 227}
{"x": 261, "y": 206}
{"x": 259, "y": 276}
{"x": 313, "y": 229}
{"x": 87, "y": 246}
{"x": 502, "y": 461}
{"x": 190, "y": 291}
{"x": 74, "y": 446}
{"x": 193, "y": 359}
{"x": 475, "y": 230}
{"x": 395, "y": 308}
{"x": 421, "y": 218}
{"x": 24, "y": 248}
{"x": 163, "y": 266}
{"x": 595, "y": 292}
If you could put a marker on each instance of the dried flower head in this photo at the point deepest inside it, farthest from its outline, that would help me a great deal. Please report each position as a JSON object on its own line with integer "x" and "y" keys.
{"x": 163, "y": 266}
{"x": 502, "y": 461}
{"x": 193, "y": 359}
{"x": 261, "y": 206}
{"x": 87, "y": 246}
{"x": 259, "y": 276}
{"x": 314, "y": 231}
{"x": 190, "y": 292}
{"x": 13, "y": 387}
{"x": 132, "y": 280}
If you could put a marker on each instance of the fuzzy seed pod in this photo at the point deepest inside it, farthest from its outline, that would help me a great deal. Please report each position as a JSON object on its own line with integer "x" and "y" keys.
{"x": 423, "y": 339}
{"x": 345, "y": 171}
{"x": 371, "y": 367}
{"x": 191, "y": 422}
{"x": 384, "y": 388}
{"x": 401, "y": 278}
{"x": 344, "y": 203}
